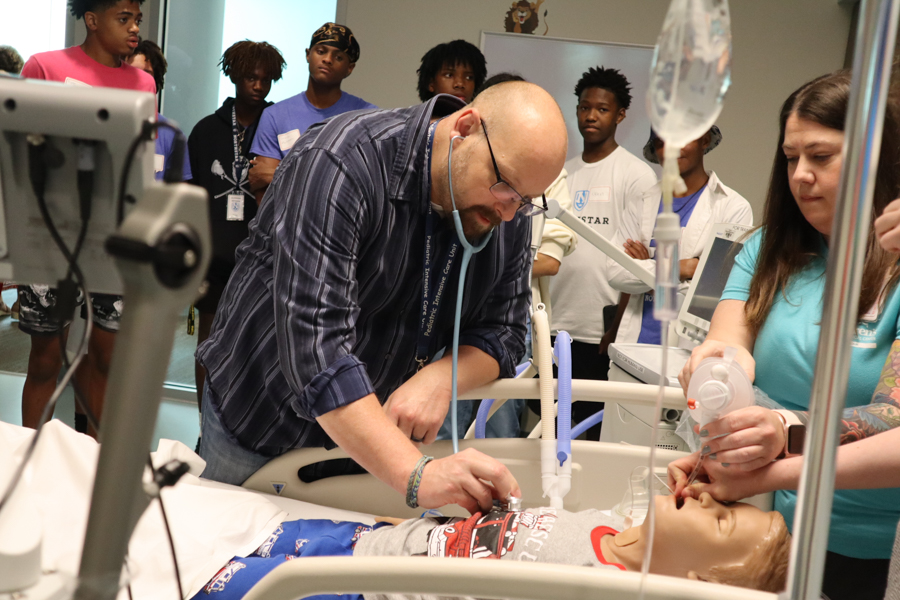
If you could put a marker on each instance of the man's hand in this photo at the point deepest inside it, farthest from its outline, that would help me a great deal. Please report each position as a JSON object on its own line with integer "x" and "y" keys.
{"x": 419, "y": 406}
{"x": 687, "y": 267}
{"x": 262, "y": 169}
{"x": 636, "y": 250}
{"x": 608, "y": 338}
{"x": 469, "y": 478}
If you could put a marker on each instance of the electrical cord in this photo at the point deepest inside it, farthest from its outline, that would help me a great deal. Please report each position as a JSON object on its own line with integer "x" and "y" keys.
{"x": 167, "y": 475}
{"x": 174, "y": 172}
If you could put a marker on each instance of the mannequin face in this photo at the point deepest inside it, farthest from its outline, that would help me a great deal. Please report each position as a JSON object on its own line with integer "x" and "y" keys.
{"x": 702, "y": 533}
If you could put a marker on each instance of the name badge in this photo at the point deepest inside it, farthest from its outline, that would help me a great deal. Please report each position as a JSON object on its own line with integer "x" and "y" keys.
{"x": 235, "y": 211}
{"x": 286, "y": 140}
{"x": 159, "y": 163}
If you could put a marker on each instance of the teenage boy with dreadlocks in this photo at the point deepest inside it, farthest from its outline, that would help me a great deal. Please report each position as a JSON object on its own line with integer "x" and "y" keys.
{"x": 219, "y": 149}
{"x": 112, "y": 33}
{"x": 603, "y": 180}
{"x": 457, "y": 68}
{"x": 332, "y": 55}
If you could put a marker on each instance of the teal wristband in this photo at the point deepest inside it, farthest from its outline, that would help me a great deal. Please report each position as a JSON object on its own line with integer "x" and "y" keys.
{"x": 415, "y": 479}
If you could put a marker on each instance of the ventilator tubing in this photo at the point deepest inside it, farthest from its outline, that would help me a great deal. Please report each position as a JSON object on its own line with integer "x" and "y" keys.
{"x": 541, "y": 333}
{"x": 563, "y": 351}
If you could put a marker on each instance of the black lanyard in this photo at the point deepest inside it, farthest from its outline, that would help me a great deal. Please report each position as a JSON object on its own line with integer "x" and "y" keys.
{"x": 433, "y": 284}
{"x": 240, "y": 162}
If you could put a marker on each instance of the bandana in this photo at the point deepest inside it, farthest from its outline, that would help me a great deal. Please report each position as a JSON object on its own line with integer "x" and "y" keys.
{"x": 338, "y": 36}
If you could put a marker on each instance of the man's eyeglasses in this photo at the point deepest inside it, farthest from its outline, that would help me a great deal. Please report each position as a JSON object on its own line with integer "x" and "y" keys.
{"x": 503, "y": 191}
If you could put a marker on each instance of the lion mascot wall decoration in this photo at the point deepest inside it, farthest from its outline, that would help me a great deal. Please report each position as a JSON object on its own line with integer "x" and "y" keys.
{"x": 522, "y": 17}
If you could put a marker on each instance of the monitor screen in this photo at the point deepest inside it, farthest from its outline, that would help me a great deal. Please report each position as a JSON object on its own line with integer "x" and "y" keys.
{"x": 711, "y": 282}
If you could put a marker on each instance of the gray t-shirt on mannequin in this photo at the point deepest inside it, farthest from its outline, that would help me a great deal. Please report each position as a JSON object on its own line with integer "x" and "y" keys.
{"x": 536, "y": 535}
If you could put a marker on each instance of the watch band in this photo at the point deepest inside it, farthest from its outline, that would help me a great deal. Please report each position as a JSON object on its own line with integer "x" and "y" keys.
{"x": 794, "y": 434}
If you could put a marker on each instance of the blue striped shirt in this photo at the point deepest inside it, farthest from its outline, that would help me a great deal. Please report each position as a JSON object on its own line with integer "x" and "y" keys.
{"x": 324, "y": 304}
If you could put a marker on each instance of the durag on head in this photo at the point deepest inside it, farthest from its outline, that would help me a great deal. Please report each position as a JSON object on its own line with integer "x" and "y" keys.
{"x": 338, "y": 36}
{"x": 715, "y": 136}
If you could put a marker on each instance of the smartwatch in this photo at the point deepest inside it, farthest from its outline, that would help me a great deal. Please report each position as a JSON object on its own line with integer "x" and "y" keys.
{"x": 794, "y": 434}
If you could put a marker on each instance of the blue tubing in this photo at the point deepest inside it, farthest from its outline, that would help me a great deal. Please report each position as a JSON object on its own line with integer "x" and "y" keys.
{"x": 563, "y": 350}
{"x": 485, "y": 407}
{"x": 587, "y": 423}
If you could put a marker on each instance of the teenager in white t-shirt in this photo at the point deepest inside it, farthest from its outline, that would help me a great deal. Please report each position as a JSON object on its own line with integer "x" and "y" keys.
{"x": 601, "y": 180}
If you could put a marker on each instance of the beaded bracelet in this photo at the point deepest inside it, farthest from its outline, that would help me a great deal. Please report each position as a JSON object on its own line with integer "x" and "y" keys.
{"x": 415, "y": 479}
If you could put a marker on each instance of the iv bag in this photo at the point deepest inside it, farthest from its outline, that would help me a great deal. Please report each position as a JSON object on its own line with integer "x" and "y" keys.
{"x": 691, "y": 70}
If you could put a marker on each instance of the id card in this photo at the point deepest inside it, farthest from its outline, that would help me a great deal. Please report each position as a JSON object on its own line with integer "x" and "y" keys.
{"x": 159, "y": 163}
{"x": 235, "y": 211}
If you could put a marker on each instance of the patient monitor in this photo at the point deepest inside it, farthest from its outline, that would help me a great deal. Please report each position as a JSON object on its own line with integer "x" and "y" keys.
{"x": 51, "y": 135}
{"x": 641, "y": 363}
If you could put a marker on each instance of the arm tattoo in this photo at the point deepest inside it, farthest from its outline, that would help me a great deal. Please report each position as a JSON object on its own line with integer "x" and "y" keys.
{"x": 883, "y": 413}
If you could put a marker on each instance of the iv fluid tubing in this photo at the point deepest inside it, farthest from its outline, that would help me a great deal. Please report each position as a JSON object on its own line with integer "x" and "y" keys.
{"x": 484, "y": 408}
{"x": 468, "y": 251}
{"x": 592, "y": 420}
{"x": 563, "y": 350}
{"x": 668, "y": 237}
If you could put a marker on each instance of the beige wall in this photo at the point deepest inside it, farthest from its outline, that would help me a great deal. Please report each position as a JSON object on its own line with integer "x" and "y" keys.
{"x": 778, "y": 44}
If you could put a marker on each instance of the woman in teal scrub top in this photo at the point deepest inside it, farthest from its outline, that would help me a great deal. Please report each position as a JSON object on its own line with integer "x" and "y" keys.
{"x": 771, "y": 311}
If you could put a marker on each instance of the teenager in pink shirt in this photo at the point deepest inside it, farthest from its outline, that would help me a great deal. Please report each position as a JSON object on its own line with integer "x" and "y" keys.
{"x": 112, "y": 32}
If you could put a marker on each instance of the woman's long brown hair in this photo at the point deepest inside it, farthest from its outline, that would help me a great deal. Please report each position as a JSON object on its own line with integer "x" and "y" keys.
{"x": 789, "y": 243}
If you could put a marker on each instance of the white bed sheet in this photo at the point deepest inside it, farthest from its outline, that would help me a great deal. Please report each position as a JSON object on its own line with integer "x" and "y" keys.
{"x": 211, "y": 522}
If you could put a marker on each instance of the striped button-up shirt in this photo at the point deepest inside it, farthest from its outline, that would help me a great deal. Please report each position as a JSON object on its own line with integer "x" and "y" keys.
{"x": 324, "y": 304}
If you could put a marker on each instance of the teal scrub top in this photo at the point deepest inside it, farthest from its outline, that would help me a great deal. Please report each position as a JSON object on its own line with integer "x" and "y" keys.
{"x": 863, "y": 522}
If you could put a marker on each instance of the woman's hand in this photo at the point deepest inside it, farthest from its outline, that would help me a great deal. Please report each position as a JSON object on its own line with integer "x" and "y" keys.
{"x": 713, "y": 348}
{"x": 726, "y": 484}
{"x": 887, "y": 227}
{"x": 751, "y": 438}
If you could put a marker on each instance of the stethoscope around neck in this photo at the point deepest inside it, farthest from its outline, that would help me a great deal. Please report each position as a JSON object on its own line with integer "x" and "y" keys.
{"x": 468, "y": 250}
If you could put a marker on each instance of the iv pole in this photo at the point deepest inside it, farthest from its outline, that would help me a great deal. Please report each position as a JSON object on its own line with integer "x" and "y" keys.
{"x": 872, "y": 59}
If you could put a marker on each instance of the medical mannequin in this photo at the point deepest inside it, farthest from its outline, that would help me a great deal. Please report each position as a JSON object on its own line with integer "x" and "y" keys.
{"x": 697, "y": 539}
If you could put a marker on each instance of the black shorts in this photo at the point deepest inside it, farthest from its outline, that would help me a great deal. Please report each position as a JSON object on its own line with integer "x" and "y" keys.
{"x": 36, "y": 302}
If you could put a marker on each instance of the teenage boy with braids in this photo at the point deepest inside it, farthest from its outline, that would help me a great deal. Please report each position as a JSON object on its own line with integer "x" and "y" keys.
{"x": 252, "y": 67}
{"x": 602, "y": 180}
{"x": 332, "y": 55}
{"x": 112, "y": 33}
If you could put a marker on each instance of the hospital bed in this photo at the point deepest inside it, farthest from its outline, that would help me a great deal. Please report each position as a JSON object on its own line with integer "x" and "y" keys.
{"x": 212, "y": 522}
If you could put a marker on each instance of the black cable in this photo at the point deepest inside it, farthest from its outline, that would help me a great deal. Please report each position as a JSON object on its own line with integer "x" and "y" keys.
{"x": 37, "y": 170}
{"x": 174, "y": 172}
{"x": 163, "y": 480}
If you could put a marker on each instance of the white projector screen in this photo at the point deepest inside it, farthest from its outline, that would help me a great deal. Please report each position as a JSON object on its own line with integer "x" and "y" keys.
{"x": 556, "y": 65}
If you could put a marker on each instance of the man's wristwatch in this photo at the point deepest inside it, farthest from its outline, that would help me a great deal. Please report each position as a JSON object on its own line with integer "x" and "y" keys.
{"x": 794, "y": 434}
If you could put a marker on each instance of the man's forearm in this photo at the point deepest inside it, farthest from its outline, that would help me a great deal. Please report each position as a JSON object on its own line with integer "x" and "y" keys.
{"x": 475, "y": 367}
{"x": 363, "y": 430}
{"x": 544, "y": 266}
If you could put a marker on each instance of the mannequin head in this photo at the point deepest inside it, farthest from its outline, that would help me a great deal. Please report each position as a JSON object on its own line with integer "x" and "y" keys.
{"x": 701, "y": 539}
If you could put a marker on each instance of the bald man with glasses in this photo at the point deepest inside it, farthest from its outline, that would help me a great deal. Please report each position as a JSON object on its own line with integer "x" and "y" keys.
{"x": 326, "y": 331}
